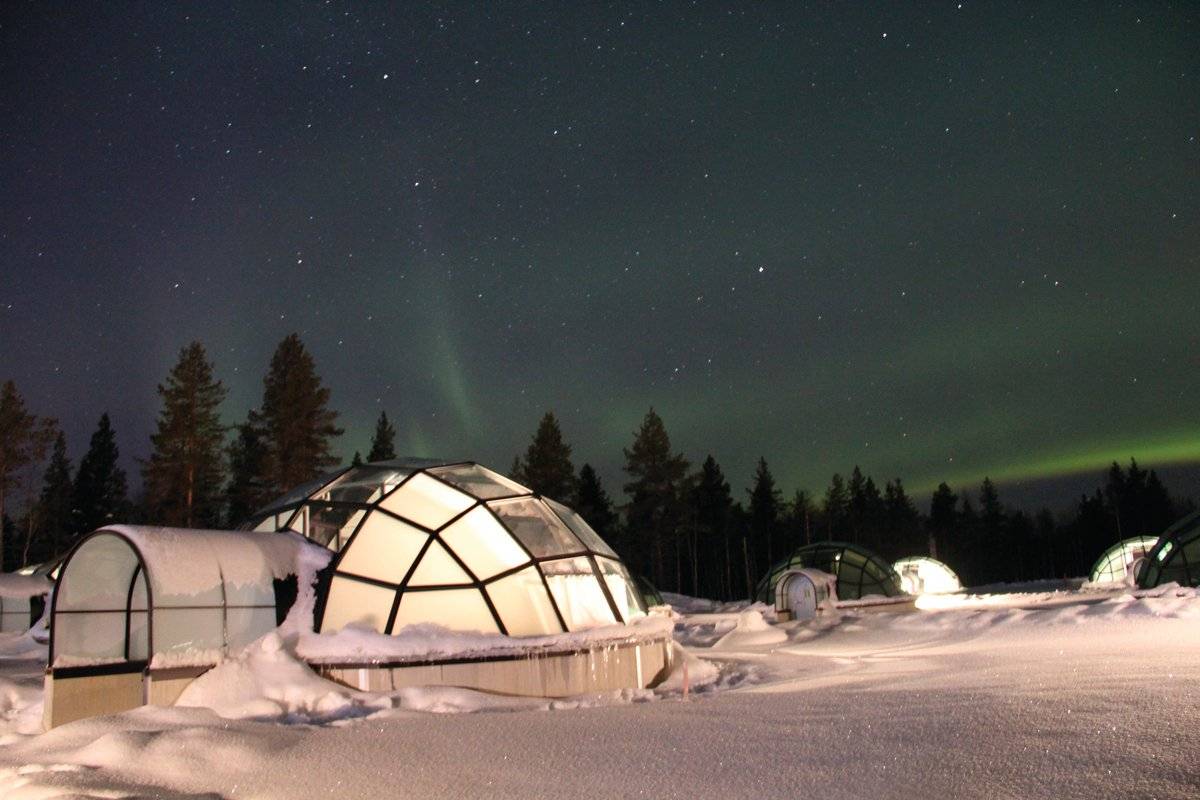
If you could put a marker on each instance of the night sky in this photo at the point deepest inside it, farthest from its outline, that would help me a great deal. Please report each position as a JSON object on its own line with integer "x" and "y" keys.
{"x": 938, "y": 240}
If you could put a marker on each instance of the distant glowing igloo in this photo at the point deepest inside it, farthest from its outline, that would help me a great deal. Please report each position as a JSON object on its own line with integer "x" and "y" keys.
{"x": 457, "y": 545}
{"x": 1119, "y": 561}
{"x": 925, "y": 575}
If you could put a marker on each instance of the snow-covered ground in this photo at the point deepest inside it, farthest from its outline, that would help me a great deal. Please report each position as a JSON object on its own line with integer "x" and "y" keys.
{"x": 1056, "y": 694}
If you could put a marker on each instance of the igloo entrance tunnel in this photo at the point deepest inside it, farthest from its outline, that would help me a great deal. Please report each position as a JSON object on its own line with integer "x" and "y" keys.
{"x": 526, "y": 598}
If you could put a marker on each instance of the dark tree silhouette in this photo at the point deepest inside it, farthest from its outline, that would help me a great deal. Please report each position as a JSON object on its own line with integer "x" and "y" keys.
{"x": 383, "y": 442}
{"x": 547, "y": 464}
{"x": 185, "y": 471}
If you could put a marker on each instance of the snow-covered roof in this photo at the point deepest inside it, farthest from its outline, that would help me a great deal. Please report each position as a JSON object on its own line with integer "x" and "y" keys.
{"x": 132, "y": 593}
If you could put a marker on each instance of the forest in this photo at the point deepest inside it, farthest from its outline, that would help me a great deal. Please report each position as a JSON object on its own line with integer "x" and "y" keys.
{"x": 682, "y": 526}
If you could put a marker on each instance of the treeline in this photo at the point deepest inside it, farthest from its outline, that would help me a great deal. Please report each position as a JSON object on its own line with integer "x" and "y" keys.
{"x": 199, "y": 474}
{"x": 688, "y": 531}
{"x": 684, "y": 528}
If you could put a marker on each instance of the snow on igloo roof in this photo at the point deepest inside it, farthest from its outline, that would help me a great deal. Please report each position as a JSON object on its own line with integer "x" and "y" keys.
{"x": 455, "y": 544}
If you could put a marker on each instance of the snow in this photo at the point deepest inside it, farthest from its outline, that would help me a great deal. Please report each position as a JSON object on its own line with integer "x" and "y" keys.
{"x": 191, "y": 562}
{"x": 751, "y": 630}
{"x": 1050, "y": 693}
{"x": 16, "y": 586}
{"x": 356, "y": 645}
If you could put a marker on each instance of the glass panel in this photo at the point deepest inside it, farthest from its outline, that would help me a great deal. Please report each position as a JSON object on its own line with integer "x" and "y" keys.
{"x": 580, "y": 528}
{"x": 537, "y": 527}
{"x": 179, "y": 629}
{"x": 244, "y": 625}
{"x": 437, "y": 568}
{"x": 301, "y": 492}
{"x": 427, "y": 502}
{"x": 329, "y": 525}
{"x": 577, "y": 592}
{"x": 99, "y": 575}
{"x": 456, "y": 609}
{"x": 99, "y": 638}
{"x": 523, "y": 605}
{"x": 849, "y": 582}
{"x": 363, "y": 484}
{"x": 479, "y": 481}
{"x": 622, "y": 588}
{"x": 356, "y": 603}
{"x": 137, "y": 600}
{"x": 384, "y": 549}
{"x": 483, "y": 544}
{"x": 138, "y": 637}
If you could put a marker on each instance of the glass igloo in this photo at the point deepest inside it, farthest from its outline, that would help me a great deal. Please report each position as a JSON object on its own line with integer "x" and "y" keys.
{"x": 457, "y": 545}
{"x": 1176, "y": 557}
{"x": 925, "y": 575}
{"x": 1119, "y": 561}
{"x": 859, "y": 572}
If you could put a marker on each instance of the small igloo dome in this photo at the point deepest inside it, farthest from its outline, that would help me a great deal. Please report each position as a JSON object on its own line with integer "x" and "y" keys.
{"x": 457, "y": 545}
{"x": 859, "y": 572}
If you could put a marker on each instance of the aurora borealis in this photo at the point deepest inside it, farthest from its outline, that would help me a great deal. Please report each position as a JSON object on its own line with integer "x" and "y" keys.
{"x": 939, "y": 241}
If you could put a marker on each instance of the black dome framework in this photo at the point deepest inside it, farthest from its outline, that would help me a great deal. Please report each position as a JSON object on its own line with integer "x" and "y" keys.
{"x": 456, "y": 544}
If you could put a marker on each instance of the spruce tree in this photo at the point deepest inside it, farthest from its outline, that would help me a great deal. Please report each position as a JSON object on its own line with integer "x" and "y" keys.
{"x": 183, "y": 476}
{"x": 246, "y": 492}
{"x": 547, "y": 464}
{"x": 800, "y": 513}
{"x": 295, "y": 420}
{"x": 357, "y": 460}
{"x": 593, "y": 503}
{"x": 836, "y": 507}
{"x": 517, "y": 470}
{"x": 764, "y": 509}
{"x": 657, "y": 477}
{"x": 57, "y": 528}
{"x": 100, "y": 490}
{"x": 712, "y": 506}
{"x": 942, "y": 518}
{"x": 19, "y": 443}
{"x": 903, "y": 522}
{"x": 383, "y": 443}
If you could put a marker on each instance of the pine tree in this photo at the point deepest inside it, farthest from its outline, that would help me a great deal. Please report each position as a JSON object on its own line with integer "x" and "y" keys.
{"x": 942, "y": 518}
{"x": 903, "y": 522}
{"x": 547, "y": 465}
{"x": 837, "y": 508}
{"x": 357, "y": 460}
{"x": 246, "y": 492}
{"x": 100, "y": 490}
{"x": 184, "y": 474}
{"x": 712, "y": 506}
{"x": 57, "y": 527}
{"x": 296, "y": 424}
{"x": 800, "y": 513}
{"x": 383, "y": 443}
{"x": 593, "y": 503}
{"x": 655, "y": 503}
{"x": 21, "y": 437}
{"x": 517, "y": 470}
{"x": 765, "y": 504}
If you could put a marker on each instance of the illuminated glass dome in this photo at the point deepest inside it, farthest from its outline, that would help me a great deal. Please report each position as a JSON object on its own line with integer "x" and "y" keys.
{"x": 1176, "y": 557}
{"x": 455, "y": 544}
{"x": 925, "y": 575}
{"x": 859, "y": 572}
{"x": 1120, "y": 560}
